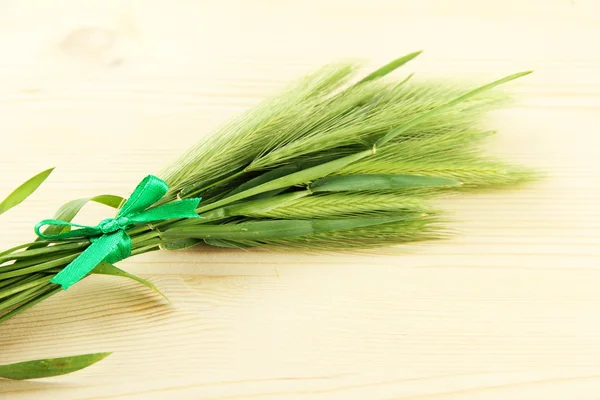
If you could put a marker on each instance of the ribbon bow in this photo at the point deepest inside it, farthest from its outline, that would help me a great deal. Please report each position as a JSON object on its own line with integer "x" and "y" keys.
{"x": 110, "y": 241}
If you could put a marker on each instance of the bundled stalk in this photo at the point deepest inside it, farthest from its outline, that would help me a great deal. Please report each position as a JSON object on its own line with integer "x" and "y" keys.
{"x": 326, "y": 165}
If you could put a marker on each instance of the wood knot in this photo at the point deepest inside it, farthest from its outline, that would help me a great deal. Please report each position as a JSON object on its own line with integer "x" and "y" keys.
{"x": 92, "y": 44}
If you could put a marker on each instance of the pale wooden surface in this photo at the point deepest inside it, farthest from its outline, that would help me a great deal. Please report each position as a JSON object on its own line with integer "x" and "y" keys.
{"x": 509, "y": 309}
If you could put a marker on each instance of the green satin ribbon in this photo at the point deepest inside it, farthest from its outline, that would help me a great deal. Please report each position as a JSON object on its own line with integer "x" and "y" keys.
{"x": 110, "y": 241}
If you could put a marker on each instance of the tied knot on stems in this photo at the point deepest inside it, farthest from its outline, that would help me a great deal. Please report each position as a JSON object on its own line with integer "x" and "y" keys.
{"x": 111, "y": 225}
{"x": 109, "y": 239}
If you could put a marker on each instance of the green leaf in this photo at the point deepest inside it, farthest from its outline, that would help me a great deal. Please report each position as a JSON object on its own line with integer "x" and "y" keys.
{"x": 402, "y": 82}
{"x": 347, "y": 183}
{"x": 386, "y": 69}
{"x": 180, "y": 244}
{"x": 276, "y": 229}
{"x": 437, "y": 110}
{"x": 225, "y": 244}
{"x": 105, "y": 268}
{"x": 23, "y": 191}
{"x": 278, "y": 173}
{"x": 303, "y": 176}
{"x": 266, "y": 177}
{"x": 49, "y": 366}
{"x": 202, "y": 186}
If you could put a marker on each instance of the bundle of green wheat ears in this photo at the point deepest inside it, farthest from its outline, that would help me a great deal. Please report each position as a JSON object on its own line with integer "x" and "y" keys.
{"x": 332, "y": 163}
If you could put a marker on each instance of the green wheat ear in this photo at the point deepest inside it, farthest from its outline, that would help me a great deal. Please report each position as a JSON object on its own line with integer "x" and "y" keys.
{"x": 374, "y": 130}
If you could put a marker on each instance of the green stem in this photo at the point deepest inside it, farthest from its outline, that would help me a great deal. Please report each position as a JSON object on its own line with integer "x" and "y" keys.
{"x": 10, "y": 281}
{"x": 148, "y": 248}
{"x": 19, "y": 280}
{"x": 25, "y": 286}
{"x": 39, "y": 267}
{"x": 44, "y": 250}
{"x": 30, "y": 303}
{"x": 21, "y": 246}
{"x": 22, "y": 297}
{"x": 136, "y": 240}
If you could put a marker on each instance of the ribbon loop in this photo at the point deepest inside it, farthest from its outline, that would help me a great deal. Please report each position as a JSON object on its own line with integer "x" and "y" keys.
{"x": 150, "y": 190}
{"x": 109, "y": 239}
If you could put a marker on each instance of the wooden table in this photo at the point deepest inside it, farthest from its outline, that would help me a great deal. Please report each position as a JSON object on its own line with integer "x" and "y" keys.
{"x": 109, "y": 91}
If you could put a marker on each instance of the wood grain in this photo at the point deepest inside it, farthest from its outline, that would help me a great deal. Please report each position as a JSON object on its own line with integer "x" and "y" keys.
{"x": 109, "y": 91}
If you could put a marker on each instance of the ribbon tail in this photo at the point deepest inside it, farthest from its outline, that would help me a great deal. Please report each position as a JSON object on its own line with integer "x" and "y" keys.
{"x": 87, "y": 261}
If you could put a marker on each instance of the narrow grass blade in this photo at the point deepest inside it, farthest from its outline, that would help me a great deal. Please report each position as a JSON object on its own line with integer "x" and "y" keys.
{"x": 49, "y": 366}
{"x": 279, "y": 172}
{"x": 346, "y": 183}
{"x": 402, "y": 82}
{"x": 295, "y": 178}
{"x": 105, "y": 268}
{"x": 266, "y": 177}
{"x": 203, "y": 186}
{"x": 386, "y": 69}
{"x": 23, "y": 191}
{"x": 443, "y": 107}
